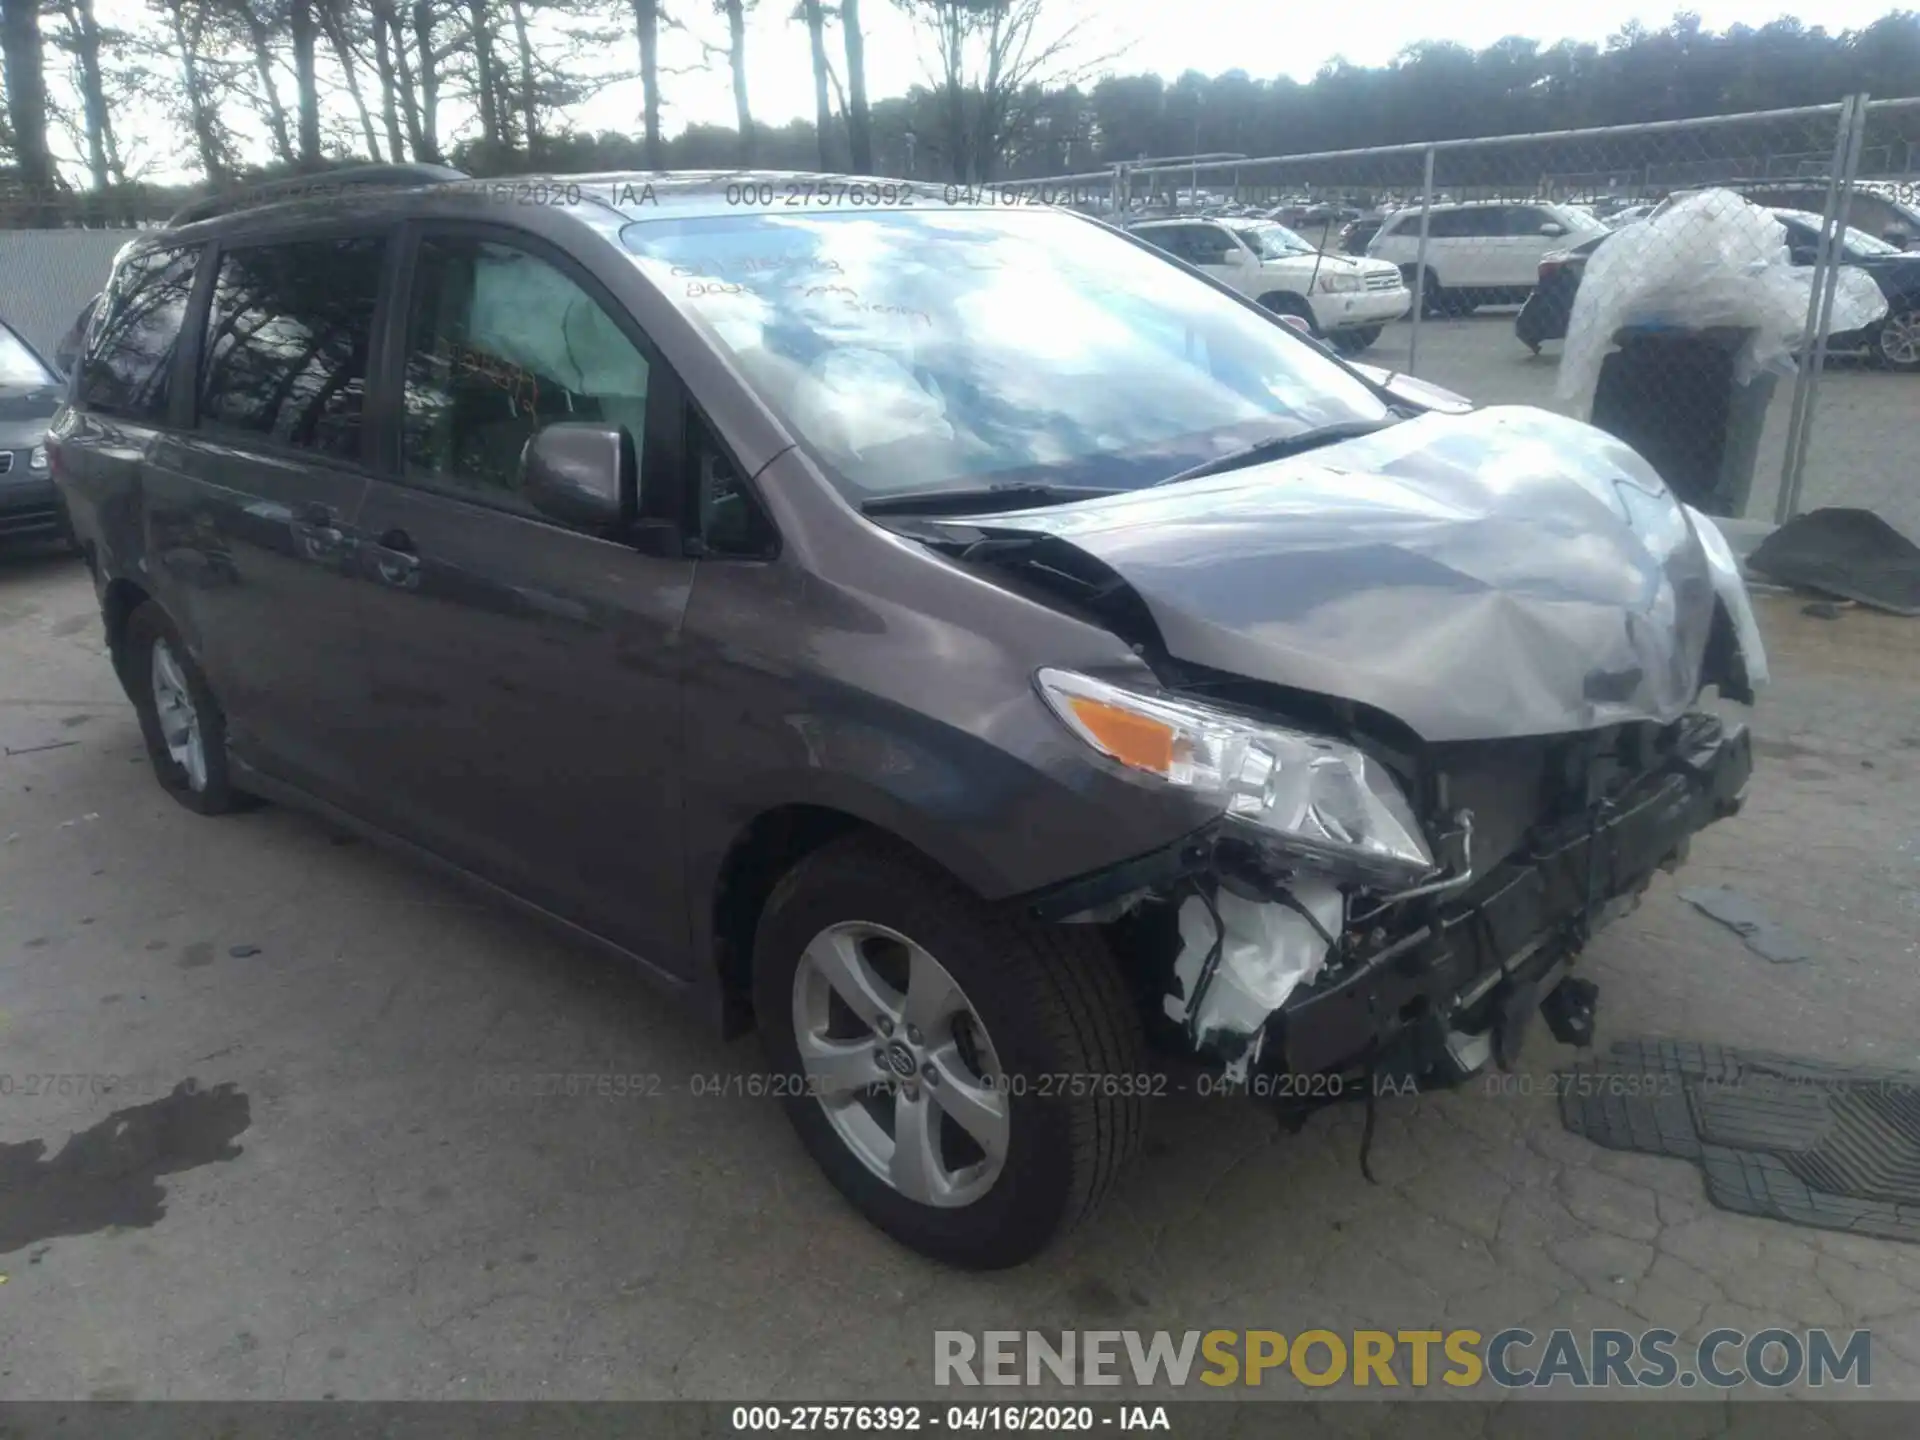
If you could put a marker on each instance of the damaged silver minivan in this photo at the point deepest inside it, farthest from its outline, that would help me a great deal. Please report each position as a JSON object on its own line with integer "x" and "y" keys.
{"x": 1014, "y": 673}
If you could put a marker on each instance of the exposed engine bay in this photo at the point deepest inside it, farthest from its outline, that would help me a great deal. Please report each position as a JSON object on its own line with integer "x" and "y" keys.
{"x": 1259, "y": 964}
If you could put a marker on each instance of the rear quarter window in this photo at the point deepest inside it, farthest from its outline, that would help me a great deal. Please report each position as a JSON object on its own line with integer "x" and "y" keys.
{"x": 127, "y": 370}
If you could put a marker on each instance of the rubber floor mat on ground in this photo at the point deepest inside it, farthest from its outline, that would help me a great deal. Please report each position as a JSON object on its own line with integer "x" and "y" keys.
{"x": 1791, "y": 1139}
{"x": 1851, "y": 553}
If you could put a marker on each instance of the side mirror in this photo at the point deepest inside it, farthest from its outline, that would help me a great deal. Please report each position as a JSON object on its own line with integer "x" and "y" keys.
{"x": 1553, "y": 227}
{"x": 582, "y": 474}
{"x": 1236, "y": 256}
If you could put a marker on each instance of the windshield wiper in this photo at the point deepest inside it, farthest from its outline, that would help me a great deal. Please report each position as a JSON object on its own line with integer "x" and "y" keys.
{"x": 976, "y": 498}
{"x": 1281, "y": 446}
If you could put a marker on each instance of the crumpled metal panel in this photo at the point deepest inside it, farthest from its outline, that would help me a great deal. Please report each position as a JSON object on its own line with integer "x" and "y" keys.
{"x": 1501, "y": 573}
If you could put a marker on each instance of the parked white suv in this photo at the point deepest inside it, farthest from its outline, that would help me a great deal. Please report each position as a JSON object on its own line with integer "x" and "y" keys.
{"x": 1481, "y": 252}
{"x": 1346, "y": 298}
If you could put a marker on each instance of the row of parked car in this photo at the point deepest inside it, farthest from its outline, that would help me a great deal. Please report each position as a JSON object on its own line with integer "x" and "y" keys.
{"x": 1481, "y": 252}
{"x": 1893, "y": 342}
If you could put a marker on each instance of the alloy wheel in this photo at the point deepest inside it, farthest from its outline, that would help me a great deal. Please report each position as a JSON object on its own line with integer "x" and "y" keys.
{"x": 1900, "y": 338}
{"x": 901, "y": 1063}
{"x": 179, "y": 718}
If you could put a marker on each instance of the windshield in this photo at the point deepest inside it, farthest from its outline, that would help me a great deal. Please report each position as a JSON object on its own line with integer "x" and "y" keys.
{"x": 18, "y": 364}
{"x": 934, "y": 350}
{"x": 1271, "y": 240}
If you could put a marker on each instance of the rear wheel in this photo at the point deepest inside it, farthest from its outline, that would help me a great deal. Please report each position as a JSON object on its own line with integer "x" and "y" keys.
{"x": 1896, "y": 344}
{"x": 1352, "y": 342}
{"x": 181, "y": 722}
{"x": 967, "y": 1077}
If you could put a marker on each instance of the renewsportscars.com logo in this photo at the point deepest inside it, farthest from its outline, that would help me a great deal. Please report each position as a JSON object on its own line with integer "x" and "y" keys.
{"x": 1513, "y": 1359}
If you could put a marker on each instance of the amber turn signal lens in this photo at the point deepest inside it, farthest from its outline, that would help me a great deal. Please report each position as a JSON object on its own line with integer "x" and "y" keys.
{"x": 1131, "y": 739}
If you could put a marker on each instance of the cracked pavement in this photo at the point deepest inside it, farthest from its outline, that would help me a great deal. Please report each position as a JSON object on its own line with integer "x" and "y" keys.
{"x": 391, "y": 1227}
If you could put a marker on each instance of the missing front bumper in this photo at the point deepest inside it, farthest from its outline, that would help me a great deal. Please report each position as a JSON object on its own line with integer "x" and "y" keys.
{"x": 1459, "y": 987}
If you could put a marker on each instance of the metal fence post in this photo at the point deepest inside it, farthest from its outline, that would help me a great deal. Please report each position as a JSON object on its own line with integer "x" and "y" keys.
{"x": 1803, "y": 377}
{"x": 1826, "y": 277}
{"x": 1420, "y": 265}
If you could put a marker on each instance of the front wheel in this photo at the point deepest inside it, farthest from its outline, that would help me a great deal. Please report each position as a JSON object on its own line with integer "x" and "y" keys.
{"x": 1352, "y": 342}
{"x": 1285, "y": 302}
{"x": 969, "y": 1078}
{"x": 1896, "y": 344}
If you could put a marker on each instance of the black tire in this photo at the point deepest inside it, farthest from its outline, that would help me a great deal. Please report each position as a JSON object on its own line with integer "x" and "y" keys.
{"x": 1352, "y": 342}
{"x": 1434, "y": 297}
{"x": 1285, "y": 302}
{"x": 217, "y": 796}
{"x": 1904, "y": 322}
{"x": 1053, "y": 1004}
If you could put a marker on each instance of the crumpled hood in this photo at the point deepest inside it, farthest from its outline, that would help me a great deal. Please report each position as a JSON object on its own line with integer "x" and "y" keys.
{"x": 1501, "y": 573}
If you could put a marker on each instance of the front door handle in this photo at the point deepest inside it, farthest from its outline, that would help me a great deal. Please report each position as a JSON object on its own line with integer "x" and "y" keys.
{"x": 396, "y": 561}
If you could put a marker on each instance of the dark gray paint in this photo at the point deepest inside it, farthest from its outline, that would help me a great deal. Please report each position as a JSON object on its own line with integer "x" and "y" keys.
{"x": 594, "y": 729}
{"x": 1501, "y": 573}
{"x": 581, "y": 474}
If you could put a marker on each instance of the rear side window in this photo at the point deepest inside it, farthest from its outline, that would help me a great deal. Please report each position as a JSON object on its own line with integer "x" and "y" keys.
{"x": 287, "y": 338}
{"x": 1442, "y": 225}
{"x": 1526, "y": 220}
{"x": 129, "y": 362}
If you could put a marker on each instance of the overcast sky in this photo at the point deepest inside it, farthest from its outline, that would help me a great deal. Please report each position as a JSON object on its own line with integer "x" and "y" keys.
{"x": 1263, "y": 37}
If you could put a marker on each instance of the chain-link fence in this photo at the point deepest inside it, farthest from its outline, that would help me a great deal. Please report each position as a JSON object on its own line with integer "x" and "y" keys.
{"x": 1496, "y": 239}
{"x": 1468, "y": 262}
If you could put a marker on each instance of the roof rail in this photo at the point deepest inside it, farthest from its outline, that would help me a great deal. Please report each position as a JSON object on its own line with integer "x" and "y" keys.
{"x": 319, "y": 182}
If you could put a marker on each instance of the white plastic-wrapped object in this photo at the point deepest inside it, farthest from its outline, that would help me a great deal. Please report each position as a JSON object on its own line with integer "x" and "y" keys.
{"x": 1711, "y": 260}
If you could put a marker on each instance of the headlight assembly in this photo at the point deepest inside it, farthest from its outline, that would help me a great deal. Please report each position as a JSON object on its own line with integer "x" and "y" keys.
{"x": 37, "y": 458}
{"x": 1323, "y": 798}
{"x": 1338, "y": 282}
